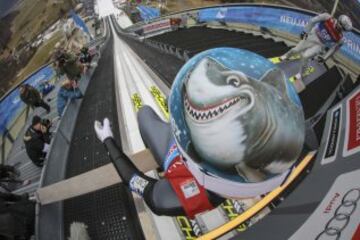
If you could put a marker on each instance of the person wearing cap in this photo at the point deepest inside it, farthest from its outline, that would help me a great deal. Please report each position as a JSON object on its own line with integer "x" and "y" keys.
{"x": 68, "y": 91}
{"x": 322, "y": 35}
{"x": 32, "y": 97}
{"x": 67, "y": 64}
{"x": 37, "y": 140}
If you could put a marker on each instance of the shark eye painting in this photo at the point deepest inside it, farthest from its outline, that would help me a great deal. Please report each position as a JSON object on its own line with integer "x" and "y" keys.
{"x": 236, "y": 116}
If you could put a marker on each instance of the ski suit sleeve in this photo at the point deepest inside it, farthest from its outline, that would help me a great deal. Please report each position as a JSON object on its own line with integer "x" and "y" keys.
{"x": 148, "y": 187}
{"x": 333, "y": 49}
{"x": 314, "y": 20}
{"x": 141, "y": 184}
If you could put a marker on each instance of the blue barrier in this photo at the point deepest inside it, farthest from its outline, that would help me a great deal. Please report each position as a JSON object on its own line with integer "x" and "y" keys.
{"x": 148, "y": 13}
{"x": 80, "y": 23}
{"x": 11, "y": 105}
{"x": 285, "y": 20}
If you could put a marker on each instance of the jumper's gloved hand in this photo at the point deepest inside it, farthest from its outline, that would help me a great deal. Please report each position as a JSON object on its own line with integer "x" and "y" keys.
{"x": 303, "y": 35}
{"x": 103, "y": 131}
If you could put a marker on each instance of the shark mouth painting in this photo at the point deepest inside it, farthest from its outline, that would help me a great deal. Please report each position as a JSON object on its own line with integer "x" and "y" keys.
{"x": 238, "y": 123}
{"x": 212, "y": 112}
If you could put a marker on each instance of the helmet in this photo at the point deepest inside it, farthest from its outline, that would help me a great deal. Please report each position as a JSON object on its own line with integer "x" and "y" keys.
{"x": 231, "y": 111}
{"x": 345, "y": 22}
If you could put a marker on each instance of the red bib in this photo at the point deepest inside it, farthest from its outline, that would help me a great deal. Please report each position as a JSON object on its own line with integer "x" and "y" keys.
{"x": 330, "y": 26}
{"x": 191, "y": 194}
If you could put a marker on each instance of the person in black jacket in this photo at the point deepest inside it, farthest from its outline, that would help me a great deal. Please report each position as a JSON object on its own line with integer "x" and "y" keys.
{"x": 17, "y": 217}
{"x": 37, "y": 140}
{"x": 8, "y": 174}
{"x": 31, "y": 96}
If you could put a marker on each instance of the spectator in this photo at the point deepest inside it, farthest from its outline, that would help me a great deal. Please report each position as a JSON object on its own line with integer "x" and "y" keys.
{"x": 32, "y": 97}
{"x": 85, "y": 58}
{"x": 9, "y": 174}
{"x": 68, "y": 91}
{"x": 7, "y": 171}
{"x": 37, "y": 140}
{"x": 67, "y": 64}
{"x": 17, "y": 216}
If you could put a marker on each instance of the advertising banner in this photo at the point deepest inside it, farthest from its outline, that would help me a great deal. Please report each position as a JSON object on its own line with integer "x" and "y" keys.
{"x": 333, "y": 133}
{"x": 80, "y": 23}
{"x": 12, "y": 105}
{"x": 157, "y": 26}
{"x": 352, "y": 129}
{"x": 338, "y": 214}
{"x": 274, "y": 18}
{"x": 148, "y": 13}
{"x": 280, "y": 19}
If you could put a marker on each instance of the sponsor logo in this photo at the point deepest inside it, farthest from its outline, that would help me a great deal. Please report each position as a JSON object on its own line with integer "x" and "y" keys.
{"x": 190, "y": 228}
{"x": 332, "y": 140}
{"x": 293, "y": 21}
{"x": 157, "y": 26}
{"x": 352, "y": 46}
{"x": 232, "y": 210}
{"x": 189, "y": 189}
{"x": 136, "y": 101}
{"x": 160, "y": 100}
{"x": 352, "y": 133}
{"x": 329, "y": 207}
{"x": 137, "y": 184}
{"x": 323, "y": 35}
{"x": 341, "y": 218}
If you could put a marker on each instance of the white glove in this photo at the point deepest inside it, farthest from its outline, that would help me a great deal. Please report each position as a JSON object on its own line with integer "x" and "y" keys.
{"x": 103, "y": 131}
{"x": 46, "y": 148}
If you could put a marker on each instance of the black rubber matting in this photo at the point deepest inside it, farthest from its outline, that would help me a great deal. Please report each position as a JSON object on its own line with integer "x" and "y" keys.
{"x": 109, "y": 213}
{"x": 198, "y": 39}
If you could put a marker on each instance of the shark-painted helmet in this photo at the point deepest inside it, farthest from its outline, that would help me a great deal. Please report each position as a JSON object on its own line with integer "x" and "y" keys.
{"x": 237, "y": 121}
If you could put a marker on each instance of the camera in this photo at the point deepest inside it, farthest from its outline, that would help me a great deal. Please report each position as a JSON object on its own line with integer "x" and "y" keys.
{"x": 46, "y": 123}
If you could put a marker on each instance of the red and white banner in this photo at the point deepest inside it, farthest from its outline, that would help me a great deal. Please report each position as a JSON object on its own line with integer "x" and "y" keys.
{"x": 157, "y": 26}
{"x": 352, "y": 127}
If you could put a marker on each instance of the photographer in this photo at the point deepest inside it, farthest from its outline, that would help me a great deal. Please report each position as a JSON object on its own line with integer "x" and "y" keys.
{"x": 31, "y": 96}
{"x": 37, "y": 140}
